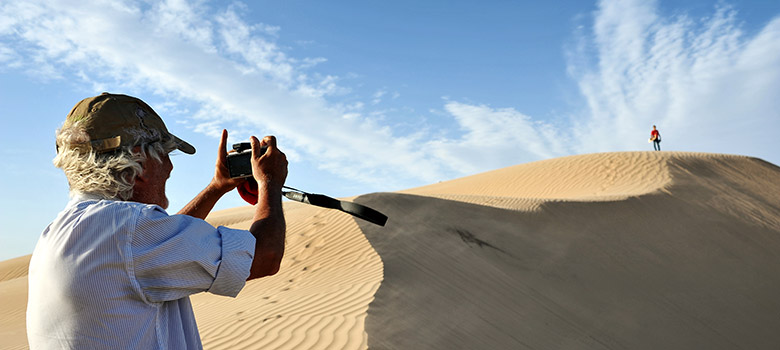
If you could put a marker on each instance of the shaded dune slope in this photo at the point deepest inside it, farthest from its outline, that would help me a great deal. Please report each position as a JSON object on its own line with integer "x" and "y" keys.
{"x": 688, "y": 258}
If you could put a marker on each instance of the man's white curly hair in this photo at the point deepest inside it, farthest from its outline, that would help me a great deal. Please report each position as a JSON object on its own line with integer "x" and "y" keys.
{"x": 109, "y": 175}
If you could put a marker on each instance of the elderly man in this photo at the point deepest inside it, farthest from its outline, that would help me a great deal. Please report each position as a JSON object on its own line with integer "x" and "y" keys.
{"x": 114, "y": 270}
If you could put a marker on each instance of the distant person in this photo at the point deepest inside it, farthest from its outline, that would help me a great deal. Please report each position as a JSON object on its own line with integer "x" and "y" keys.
{"x": 655, "y": 136}
{"x": 114, "y": 270}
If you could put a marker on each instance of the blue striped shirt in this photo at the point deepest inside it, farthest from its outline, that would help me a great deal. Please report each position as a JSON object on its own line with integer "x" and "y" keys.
{"x": 117, "y": 275}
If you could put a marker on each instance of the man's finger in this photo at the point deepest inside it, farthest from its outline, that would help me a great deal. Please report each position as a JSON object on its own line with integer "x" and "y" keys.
{"x": 222, "y": 153}
{"x": 255, "y": 147}
{"x": 269, "y": 141}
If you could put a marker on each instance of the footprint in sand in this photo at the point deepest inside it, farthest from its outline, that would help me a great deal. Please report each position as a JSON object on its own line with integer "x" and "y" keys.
{"x": 271, "y": 318}
{"x": 312, "y": 268}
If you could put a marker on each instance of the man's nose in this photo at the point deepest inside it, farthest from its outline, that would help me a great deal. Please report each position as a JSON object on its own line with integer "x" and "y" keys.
{"x": 168, "y": 163}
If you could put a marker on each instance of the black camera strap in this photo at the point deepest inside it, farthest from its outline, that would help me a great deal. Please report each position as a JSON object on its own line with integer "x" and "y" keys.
{"x": 324, "y": 201}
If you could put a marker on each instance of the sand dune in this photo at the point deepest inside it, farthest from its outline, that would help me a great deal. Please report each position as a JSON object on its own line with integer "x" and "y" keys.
{"x": 637, "y": 250}
{"x": 13, "y": 302}
{"x": 688, "y": 260}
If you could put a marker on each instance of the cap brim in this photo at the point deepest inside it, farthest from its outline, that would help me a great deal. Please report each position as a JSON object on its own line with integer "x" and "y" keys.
{"x": 183, "y": 145}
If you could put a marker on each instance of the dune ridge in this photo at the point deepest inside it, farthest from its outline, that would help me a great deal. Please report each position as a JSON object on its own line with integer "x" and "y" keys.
{"x": 640, "y": 250}
{"x": 589, "y": 177}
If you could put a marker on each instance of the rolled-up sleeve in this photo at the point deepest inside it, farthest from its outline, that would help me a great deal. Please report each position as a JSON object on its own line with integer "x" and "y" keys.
{"x": 238, "y": 249}
{"x": 173, "y": 256}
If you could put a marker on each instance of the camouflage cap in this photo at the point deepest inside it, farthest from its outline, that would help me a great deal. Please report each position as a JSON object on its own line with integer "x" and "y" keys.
{"x": 114, "y": 121}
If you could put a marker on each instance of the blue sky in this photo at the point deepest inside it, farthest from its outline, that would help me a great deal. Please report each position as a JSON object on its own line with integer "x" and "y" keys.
{"x": 374, "y": 96}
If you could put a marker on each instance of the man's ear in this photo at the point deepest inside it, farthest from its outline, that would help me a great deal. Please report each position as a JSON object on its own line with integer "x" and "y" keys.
{"x": 141, "y": 176}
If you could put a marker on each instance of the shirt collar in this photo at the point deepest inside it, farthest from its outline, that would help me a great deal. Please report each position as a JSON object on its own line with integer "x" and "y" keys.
{"x": 76, "y": 197}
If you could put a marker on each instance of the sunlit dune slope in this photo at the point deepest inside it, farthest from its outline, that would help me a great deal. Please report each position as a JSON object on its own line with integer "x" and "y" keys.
{"x": 319, "y": 298}
{"x": 582, "y": 177}
{"x": 13, "y": 302}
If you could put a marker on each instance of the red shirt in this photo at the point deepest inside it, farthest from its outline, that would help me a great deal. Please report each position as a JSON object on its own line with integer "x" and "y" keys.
{"x": 654, "y": 134}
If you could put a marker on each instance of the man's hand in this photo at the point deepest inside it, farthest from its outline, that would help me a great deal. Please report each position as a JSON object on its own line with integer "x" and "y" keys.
{"x": 269, "y": 168}
{"x": 201, "y": 205}
{"x": 222, "y": 181}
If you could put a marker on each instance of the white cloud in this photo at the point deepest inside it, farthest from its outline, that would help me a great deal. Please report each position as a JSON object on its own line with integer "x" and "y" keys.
{"x": 495, "y": 138}
{"x": 232, "y": 71}
{"x": 7, "y": 55}
{"x": 695, "y": 81}
{"x": 377, "y": 97}
{"x": 705, "y": 84}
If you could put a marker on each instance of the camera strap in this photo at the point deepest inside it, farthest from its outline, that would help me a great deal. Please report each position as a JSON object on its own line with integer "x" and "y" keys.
{"x": 248, "y": 191}
{"x": 324, "y": 201}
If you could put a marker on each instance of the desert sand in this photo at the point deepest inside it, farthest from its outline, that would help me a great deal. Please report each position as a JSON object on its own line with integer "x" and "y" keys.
{"x": 632, "y": 250}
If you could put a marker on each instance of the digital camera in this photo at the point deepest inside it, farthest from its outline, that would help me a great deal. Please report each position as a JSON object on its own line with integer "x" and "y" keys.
{"x": 238, "y": 162}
